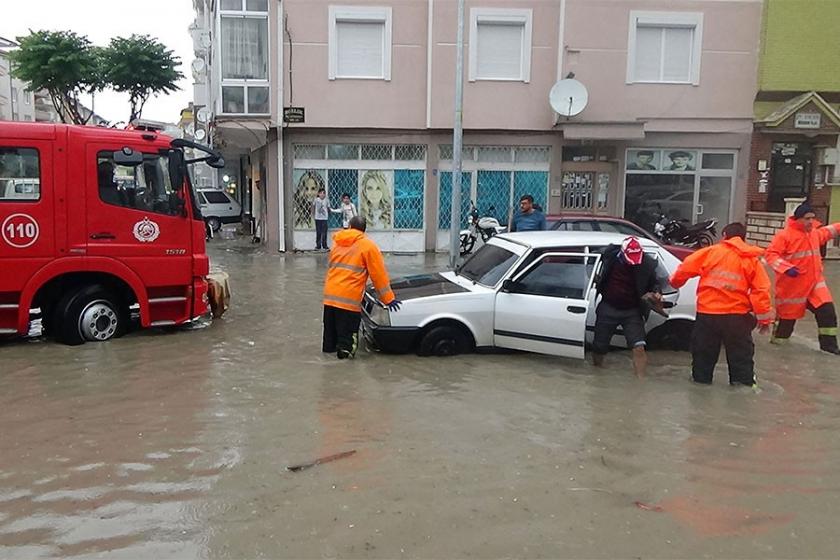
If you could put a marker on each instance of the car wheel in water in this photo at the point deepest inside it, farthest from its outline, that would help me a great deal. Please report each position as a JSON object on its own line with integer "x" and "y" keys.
{"x": 444, "y": 340}
{"x": 91, "y": 313}
{"x": 214, "y": 223}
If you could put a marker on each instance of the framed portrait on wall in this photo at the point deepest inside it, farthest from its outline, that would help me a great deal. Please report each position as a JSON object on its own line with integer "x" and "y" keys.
{"x": 643, "y": 160}
{"x": 680, "y": 160}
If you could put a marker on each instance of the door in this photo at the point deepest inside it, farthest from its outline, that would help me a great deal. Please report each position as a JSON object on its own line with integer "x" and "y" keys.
{"x": 544, "y": 308}
{"x": 790, "y": 176}
{"x": 136, "y": 214}
{"x": 587, "y": 188}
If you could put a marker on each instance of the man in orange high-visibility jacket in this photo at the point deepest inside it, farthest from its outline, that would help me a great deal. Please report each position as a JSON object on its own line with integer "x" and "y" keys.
{"x": 353, "y": 259}
{"x": 732, "y": 297}
{"x": 794, "y": 254}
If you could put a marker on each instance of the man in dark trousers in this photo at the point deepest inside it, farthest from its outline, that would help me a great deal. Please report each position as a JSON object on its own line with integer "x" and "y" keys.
{"x": 733, "y": 296}
{"x": 354, "y": 258}
{"x": 628, "y": 287}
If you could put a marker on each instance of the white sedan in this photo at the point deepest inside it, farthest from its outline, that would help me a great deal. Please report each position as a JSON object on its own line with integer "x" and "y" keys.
{"x": 530, "y": 291}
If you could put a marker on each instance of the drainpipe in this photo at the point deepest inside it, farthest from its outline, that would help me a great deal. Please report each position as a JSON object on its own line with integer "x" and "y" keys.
{"x": 281, "y": 171}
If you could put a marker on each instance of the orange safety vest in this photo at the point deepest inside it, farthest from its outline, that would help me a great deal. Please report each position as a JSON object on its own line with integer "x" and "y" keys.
{"x": 794, "y": 247}
{"x": 353, "y": 259}
{"x": 732, "y": 279}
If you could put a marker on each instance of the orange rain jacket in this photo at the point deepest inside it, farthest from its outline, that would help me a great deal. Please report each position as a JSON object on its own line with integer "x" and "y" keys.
{"x": 794, "y": 247}
{"x": 732, "y": 280}
{"x": 353, "y": 258}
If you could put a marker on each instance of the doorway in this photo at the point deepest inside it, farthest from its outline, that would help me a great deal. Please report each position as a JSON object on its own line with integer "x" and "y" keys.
{"x": 790, "y": 175}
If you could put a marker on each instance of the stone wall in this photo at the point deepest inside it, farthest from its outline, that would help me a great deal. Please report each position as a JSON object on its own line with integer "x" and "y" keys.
{"x": 762, "y": 226}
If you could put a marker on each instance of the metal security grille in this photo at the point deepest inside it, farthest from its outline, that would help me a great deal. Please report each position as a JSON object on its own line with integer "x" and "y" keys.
{"x": 500, "y": 176}
{"x": 342, "y": 181}
{"x": 386, "y": 182}
{"x": 445, "y": 206}
{"x": 577, "y": 191}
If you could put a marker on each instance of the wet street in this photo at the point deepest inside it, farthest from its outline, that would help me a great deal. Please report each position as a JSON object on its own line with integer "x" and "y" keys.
{"x": 175, "y": 444}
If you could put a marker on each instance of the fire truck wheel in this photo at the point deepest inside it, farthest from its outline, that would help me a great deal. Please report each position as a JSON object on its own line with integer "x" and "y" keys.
{"x": 214, "y": 223}
{"x": 91, "y": 313}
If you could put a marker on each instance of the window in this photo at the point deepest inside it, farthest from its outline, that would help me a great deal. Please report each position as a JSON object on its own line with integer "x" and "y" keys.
{"x": 487, "y": 265}
{"x": 500, "y": 44}
{"x": 243, "y": 32}
{"x": 20, "y": 177}
{"x": 216, "y": 197}
{"x": 359, "y": 43}
{"x": 664, "y": 47}
{"x": 146, "y": 187}
{"x": 27, "y": 98}
{"x": 557, "y": 276}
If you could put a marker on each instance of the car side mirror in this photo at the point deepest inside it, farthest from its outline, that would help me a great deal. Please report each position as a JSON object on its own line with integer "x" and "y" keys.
{"x": 507, "y": 285}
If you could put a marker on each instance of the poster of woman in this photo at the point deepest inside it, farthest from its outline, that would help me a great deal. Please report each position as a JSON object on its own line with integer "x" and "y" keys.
{"x": 376, "y": 197}
{"x": 307, "y": 184}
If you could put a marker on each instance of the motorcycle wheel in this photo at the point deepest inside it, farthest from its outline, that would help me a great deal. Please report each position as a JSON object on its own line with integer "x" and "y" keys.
{"x": 467, "y": 245}
{"x": 705, "y": 240}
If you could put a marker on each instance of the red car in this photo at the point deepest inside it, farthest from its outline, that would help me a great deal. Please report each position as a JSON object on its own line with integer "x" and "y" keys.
{"x": 588, "y": 222}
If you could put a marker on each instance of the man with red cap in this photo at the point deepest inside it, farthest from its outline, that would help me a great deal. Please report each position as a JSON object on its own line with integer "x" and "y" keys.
{"x": 627, "y": 283}
{"x": 794, "y": 255}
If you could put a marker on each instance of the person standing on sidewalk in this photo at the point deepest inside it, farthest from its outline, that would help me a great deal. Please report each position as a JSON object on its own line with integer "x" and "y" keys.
{"x": 528, "y": 218}
{"x": 321, "y": 213}
{"x": 733, "y": 296}
{"x": 347, "y": 210}
{"x": 354, "y": 258}
{"x": 794, "y": 254}
{"x": 628, "y": 286}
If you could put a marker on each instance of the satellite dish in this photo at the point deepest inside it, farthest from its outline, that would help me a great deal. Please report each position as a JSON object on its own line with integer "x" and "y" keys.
{"x": 200, "y": 134}
{"x": 568, "y": 97}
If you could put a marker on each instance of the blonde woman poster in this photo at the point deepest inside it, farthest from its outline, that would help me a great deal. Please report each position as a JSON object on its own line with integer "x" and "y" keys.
{"x": 308, "y": 182}
{"x": 376, "y": 198}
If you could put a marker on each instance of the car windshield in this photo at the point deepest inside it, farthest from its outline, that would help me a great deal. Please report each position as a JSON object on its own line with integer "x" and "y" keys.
{"x": 488, "y": 265}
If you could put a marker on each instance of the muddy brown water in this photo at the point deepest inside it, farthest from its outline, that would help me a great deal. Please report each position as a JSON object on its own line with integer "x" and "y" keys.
{"x": 175, "y": 444}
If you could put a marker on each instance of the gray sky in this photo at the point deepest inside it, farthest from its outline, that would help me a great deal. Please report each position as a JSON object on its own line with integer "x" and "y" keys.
{"x": 100, "y": 20}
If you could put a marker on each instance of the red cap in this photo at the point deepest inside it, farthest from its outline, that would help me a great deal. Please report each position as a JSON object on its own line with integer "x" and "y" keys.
{"x": 632, "y": 251}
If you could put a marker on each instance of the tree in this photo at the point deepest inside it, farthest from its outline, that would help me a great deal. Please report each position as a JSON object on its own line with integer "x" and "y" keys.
{"x": 140, "y": 66}
{"x": 64, "y": 64}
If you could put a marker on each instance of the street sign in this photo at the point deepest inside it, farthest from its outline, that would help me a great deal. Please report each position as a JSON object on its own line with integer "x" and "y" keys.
{"x": 294, "y": 115}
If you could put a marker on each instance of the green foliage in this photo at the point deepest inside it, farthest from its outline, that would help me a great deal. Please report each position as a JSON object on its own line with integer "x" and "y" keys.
{"x": 140, "y": 66}
{"x": 61, "y": 62}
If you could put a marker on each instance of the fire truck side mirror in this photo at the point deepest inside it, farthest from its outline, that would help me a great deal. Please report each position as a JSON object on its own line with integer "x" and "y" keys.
{"x": 216, "y": 163}
{"x": 128, "y": 157}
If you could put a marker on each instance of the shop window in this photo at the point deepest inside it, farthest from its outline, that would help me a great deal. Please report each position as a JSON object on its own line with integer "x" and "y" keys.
{"x": 343, "y": 151}
{"x": 20, "y": 176}
{"x": 359, "y": 43}
{"x": 664, "y": 47}
{"x": 377, "y": 151}
{"x": 718, "y": 161}
{"x": 309, "y": 151}
{"x": 500, "y": 44}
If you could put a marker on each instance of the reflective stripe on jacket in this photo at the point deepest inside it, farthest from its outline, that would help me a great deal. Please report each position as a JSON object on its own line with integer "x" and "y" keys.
{"x": 794, "y": 247}
{"x": 732, "y": 279}
{"x": 353, "y": 259}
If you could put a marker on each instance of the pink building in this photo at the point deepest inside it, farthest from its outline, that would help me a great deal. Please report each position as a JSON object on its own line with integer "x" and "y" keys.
{"x": 667, "y": 127}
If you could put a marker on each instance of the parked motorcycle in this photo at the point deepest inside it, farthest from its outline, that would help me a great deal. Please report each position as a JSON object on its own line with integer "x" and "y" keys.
{"x": 681, "y": 232}
{"x": 483, "y": 227}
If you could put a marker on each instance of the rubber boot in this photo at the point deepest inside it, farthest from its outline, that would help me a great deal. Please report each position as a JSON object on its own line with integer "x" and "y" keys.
{"x": 828, "y": 344}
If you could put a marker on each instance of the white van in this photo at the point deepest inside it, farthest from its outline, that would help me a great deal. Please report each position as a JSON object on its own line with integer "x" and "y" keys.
{"x": 218, "y": 208}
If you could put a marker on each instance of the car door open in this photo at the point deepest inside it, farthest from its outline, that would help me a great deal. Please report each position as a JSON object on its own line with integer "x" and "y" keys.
{"x": 543, "y": 309}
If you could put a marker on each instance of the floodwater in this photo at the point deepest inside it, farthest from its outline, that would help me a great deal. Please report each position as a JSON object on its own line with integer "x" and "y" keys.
{"x": 175, "y": 444}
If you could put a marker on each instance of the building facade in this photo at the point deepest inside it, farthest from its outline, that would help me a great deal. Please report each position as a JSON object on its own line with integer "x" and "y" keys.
{"x": 368, "y": 89}
{"x": 797, "y": 115}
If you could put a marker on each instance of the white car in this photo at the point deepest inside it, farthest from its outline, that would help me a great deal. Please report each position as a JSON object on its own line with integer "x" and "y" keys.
{"x": 531, "y": 291}
{"x": 218, "y": 208}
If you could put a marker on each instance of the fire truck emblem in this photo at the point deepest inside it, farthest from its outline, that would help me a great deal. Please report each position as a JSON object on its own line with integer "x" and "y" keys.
{"x": 146, "y": 231}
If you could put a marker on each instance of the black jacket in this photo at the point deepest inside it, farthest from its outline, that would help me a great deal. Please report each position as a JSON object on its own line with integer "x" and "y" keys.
{"x": 645, "y": 274}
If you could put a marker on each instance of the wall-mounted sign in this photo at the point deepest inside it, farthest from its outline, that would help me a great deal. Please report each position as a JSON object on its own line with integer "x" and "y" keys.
{"x": 294, "y": 115}
{"x": 807, "y": 120}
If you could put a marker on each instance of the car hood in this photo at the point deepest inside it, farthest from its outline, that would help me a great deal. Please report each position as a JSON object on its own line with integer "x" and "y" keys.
{"x": 424, "y": 285}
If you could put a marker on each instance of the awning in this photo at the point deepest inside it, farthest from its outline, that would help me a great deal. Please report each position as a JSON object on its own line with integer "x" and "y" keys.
{"x": 602, "y": 130}
{"x": 240, "y": 133}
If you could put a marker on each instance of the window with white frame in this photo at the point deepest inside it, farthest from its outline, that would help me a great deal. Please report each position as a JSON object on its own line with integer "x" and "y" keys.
{"x": 500, "y": 44}
{"x": 664, "y": 47}
{"x": 359, "y": 43}
{"x": 243, "y": 52}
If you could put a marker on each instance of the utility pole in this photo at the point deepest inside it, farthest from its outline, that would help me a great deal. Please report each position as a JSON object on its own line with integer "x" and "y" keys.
{"x": 457, "y": 140}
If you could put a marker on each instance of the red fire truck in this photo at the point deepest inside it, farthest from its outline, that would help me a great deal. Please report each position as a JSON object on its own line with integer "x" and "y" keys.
{"x": 95, "y": 222}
